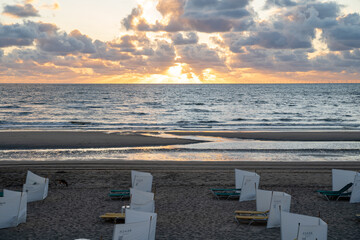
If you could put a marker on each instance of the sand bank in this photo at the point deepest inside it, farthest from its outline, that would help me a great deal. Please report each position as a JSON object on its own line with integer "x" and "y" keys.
{"x": 81, "y": 139}
{"x": 99, "y": 139}
{"x": 185, "y": 207}
{"x": 278, "y": 136}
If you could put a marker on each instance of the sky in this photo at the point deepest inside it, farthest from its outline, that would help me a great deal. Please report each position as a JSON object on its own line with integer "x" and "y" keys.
{"x": 179, "y": 41}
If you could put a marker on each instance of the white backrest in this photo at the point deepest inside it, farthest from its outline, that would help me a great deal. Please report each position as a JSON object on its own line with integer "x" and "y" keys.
{"x": 239, "y": 177}
{"x": 312, "y": 232}
{"x": 37, "y": 187}
{"x": 290, "y": 226}
{"x": 133, "y": 216}
{"x": 280, "y": 201}
{"x": 355, "y": 193}
{"x": 32, "y": 178}
{"x": 132, "y": 231}
{"x": 249, "y": 186}
{"x": 340, "y": 178}
{"x": 141, "y": 180}
{"x": 139, "y": 196}
{"x": 142, "y": 201}
{"x": 263, "y": 200}
{"x": 144, "y": 207}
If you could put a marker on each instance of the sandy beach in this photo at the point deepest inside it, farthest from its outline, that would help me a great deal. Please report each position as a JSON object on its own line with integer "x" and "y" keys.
{"x": 185, "y": 206}
{"x": 186, "y": 209}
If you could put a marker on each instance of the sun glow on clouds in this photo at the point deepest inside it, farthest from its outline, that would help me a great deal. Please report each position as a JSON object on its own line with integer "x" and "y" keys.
{"x": 319, "y": 45}
{"x": 178, "y": 74}
{"x": 179, "y": 41}
{"x": 149, "y": 12}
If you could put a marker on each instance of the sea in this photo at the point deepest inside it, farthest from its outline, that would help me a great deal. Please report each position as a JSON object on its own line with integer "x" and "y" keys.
{"x": 160, "y": 108}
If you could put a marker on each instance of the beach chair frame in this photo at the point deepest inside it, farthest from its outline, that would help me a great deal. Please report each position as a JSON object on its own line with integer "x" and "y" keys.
{"x": 336, "y": 195}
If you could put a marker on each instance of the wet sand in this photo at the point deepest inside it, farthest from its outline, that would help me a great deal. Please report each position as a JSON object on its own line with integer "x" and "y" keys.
{"x": 186, "y": 209}
{"x": 100, "y": 139}
{"x": 278, "y": 135}
{"x": 81, "y": 139}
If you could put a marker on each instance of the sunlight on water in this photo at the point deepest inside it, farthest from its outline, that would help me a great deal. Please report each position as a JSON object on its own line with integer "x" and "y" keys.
{"x": 221, "y": 149}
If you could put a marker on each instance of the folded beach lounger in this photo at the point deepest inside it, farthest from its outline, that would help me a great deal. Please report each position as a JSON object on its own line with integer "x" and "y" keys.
{"x": 113, "y": 216}
{"x": 269, "y": 204}
{"x": 119, "y": 194}
{"x": 336, "y": 195}
{"x": 250, "y": 217}
{"x": 226, "y": 195}
{"x": 225, "y": 189}
{"x": 119, "y": 191}
{"x": 251, "y": 213}
{"x": 226, "y": 192}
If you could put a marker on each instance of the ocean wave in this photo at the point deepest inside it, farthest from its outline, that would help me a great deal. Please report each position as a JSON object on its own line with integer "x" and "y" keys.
{"x": 286, "y": 120}
{"x": 80, "y": 123}
{"x": 22, "y": 113}
{"x": 260, "y": 102}
{"x": 194, "y": 104}
{"x": 331, "y": 120}
{"x": 182, "y": 107}
{"x": 152, "y": 103}
{"x": 239, "y": 119}
{"x": 10, "y": 106}
{"x": 138, "y": 113}
{"x": 282, "y": 113}
{"x": 208, "y": 122}
{"x": 198, "y": 110}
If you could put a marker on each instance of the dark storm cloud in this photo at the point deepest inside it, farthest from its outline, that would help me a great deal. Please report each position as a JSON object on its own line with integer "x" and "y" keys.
{"x": 21, "y": 11}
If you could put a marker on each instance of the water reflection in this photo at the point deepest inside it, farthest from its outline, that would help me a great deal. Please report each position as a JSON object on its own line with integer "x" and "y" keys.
{"x": 217, "y": 149}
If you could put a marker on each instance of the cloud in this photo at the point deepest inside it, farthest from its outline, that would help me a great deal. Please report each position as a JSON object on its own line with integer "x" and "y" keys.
{"x": 279, "y": 3}
{"x": 63, "y": 43}
{"x": 194, "y": 15}
{"x": 21, "y": 11}
{"x": 291, "y": 28}
{"x": 23, "y": 34}
{"x": 345, "y": 35}
{"x": 200, "y": 57}
{"x": 284, "y": 42}
{"x": 106, "y": 52}
{"x": 54, "y": 6}
{"x": 300, "y": 37}
{"x": 191, "y": 38}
